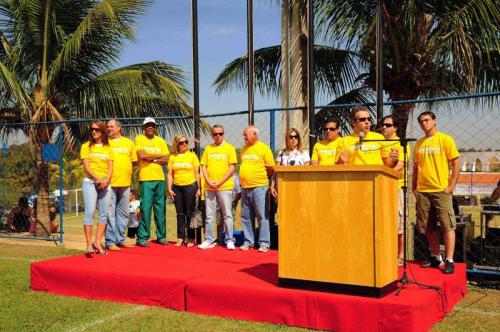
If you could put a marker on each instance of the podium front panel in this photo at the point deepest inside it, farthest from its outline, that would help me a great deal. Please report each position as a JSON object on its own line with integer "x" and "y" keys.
{"x": 337, "y": 226}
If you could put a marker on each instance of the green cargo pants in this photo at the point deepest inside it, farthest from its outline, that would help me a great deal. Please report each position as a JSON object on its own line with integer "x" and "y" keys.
{"x": 152, "y": 196}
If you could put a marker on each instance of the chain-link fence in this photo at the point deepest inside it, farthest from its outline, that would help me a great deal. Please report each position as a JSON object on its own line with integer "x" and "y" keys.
{"x": 474, "y": 127}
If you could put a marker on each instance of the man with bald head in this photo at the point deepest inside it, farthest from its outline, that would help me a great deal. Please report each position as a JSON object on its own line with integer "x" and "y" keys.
{"x": 257, "y": 165}
{"x": 125, "y": 155}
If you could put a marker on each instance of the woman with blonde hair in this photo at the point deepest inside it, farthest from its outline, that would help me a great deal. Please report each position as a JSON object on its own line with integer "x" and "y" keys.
{"x": 292, "y": 155}
{"x": 97, "y": 160}
{"x": 183, "y": 187}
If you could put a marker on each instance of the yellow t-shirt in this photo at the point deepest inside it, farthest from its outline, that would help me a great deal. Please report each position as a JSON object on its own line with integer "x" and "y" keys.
{"x": 366, "y": 153}
{"x": 326, "y": 152}
{"x": 396, "y": 145}
{"x": 157, "y": 147}
{"x": 98, "y": 156}
{"x": 217, "y": 159}
{"x": 182, "y": 166}
{"x": 124, "y": 154}
{"x": 432, "y": 155}
{"x": 254, "y": 160}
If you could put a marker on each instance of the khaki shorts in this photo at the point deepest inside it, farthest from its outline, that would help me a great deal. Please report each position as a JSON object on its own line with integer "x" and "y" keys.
{"x": 401, "y": 219}
{"x": 433, "y": 208}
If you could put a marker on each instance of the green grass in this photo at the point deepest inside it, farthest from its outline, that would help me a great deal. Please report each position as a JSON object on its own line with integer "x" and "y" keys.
{"x": 24, "y": 310}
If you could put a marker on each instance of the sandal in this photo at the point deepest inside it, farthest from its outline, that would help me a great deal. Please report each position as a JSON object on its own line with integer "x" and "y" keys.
{"x": 179, "y": 242}
{"x": 99, "y": 251}
{"x": 88, "y": 252}
{"x": 400, "y": 262}
{"x": 190, "y": 243}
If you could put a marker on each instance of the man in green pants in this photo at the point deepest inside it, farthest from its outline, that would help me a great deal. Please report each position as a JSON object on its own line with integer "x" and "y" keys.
{"x": 152, "y": 153}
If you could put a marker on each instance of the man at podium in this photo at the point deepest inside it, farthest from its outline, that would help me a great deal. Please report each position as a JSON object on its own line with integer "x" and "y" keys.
{"x": 364, "y": 147}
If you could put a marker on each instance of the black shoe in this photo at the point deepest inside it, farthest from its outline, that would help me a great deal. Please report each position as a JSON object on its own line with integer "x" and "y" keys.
{"x": 432, "y": 262}
{"x": 449, "y": 267}
{"x": 144, "y": 244}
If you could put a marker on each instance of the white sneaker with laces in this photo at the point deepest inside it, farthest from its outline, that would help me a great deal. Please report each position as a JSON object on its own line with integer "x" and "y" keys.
{"x": 230, "y": 245}
{"x": 207, "y": 245}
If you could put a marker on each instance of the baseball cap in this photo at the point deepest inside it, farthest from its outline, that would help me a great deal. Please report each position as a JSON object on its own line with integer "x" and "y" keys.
{"x": 149, "y": 120}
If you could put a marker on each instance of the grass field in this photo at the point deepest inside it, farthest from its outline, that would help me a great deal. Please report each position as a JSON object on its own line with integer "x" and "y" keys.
{"x": 24, "y": 310}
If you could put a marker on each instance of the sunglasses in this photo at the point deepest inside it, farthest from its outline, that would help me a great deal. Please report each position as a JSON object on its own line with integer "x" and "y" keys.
{"x": 293, "y": 137}
{"x": 218, "y": 134}
{"x": 149, "y": 125}
{"x": 330, "y": 129}
{"x": 387, "y": 125}
{"x": 94, "y": 129}
{"x": 182, "y": 143}
{"x": 363, "y": 119}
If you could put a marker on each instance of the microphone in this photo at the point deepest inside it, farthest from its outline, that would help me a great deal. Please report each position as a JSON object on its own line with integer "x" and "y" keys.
{"x": 361, "y": 138}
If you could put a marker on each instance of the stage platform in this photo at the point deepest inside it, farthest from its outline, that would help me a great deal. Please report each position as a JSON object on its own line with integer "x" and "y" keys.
{"x": 243, "y": 285}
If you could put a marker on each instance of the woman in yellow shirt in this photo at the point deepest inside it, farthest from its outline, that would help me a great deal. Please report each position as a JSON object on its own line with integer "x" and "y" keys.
{"x": 183, "y": 187}
{"x": 97, "y": 162}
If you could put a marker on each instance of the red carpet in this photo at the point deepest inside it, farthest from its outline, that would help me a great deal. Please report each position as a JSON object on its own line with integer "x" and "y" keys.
{"x": 243, "y": 285}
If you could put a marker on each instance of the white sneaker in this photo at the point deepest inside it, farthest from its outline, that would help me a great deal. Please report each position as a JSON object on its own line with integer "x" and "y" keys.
{"x": 207, "y": 245}
{"x": 230, "y": 245}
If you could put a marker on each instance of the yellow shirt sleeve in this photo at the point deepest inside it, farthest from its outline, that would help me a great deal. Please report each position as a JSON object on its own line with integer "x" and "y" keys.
{"x": 85, "y": 151}
{"x": 315, "y": 152}
{"x": 268, "y": 157}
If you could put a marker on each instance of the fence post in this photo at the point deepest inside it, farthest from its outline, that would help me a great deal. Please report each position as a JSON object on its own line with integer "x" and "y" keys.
{"x": 61, "y": 196}
{"x": 5, "y": 204}
{"x": 272, "y": 133}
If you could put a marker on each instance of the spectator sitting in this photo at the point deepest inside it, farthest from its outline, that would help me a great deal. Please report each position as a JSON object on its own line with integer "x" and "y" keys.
{"x": 19, "y": 217}
{"x": 54, "y": 225}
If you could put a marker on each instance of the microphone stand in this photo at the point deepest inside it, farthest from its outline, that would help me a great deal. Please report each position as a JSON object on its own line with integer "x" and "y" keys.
{"x": 404, "y": 280}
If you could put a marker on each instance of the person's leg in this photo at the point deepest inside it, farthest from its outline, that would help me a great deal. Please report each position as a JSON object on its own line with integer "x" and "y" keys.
{"x": 103, "y": 197}
{"x": 261, "y": 208}
{"x": 146, "y": 188}
{"x": 111, "y": 228}
{"x": 180, "y": 213}
{"x": 159, "y": 210}
{"x": 225, "y": 198}
{"x": 401, "y": 220}
{"x": 210, "y": 208}
{"x": 247, "y": 216}
{"x": 189, "y": 203}
{"x": 121, "y": 213}
{"x": 432, "y": 233}
{"x": 90, "y": 201}
{"x": 443, "y": 204}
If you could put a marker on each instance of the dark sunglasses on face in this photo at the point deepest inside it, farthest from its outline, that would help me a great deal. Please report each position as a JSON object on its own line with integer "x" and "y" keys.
{"x": 218, "y": 134}
{"x": 363, "y": 119}
{"x": 94, "y": 129}
{"x": 387, "y": 125}
{"x": 293, "y": 137}
{"x": 330, "y": 129}
{"x": 182, "y": 143}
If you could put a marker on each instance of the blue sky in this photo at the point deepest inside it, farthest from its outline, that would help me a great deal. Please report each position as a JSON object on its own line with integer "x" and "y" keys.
{"x": 164, "y": 34}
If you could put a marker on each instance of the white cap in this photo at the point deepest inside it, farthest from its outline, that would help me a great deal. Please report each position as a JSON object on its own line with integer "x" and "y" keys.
{"x": 149, "y": 120}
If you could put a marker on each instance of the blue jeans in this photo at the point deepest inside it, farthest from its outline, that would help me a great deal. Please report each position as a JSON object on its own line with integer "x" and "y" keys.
{"x": 255, "y": 204}
{"x": 92, "y": 198}
{"x": 225, "y": 200}
{"x": 118, "y": 215}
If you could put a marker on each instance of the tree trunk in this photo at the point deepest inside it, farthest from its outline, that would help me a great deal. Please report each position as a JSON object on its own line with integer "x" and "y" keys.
{"x": 42, "y": 204}
{"x": 294, "y": 68}
{"x": 402, "y": 114}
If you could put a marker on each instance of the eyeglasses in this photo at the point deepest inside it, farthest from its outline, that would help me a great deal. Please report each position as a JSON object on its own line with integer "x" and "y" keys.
{"x": 218, "y": 134}
{"x": 94, "y": 129}
{"x": 182, "y": 143}
{"x": 330, "y": 129}
{"x": 387, "y": 125}
{"x": 293, "y": 137}
{"x": 363, "y": 119}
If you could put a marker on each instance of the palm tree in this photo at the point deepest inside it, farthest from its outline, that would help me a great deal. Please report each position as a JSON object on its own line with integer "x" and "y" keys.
{"x": 57, "y": 61}
{"x": 431, "y": 48}
{"x": 73, "y": 173}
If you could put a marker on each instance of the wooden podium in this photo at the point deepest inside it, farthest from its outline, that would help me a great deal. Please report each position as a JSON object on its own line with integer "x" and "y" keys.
{"x": 338, "y": 228}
